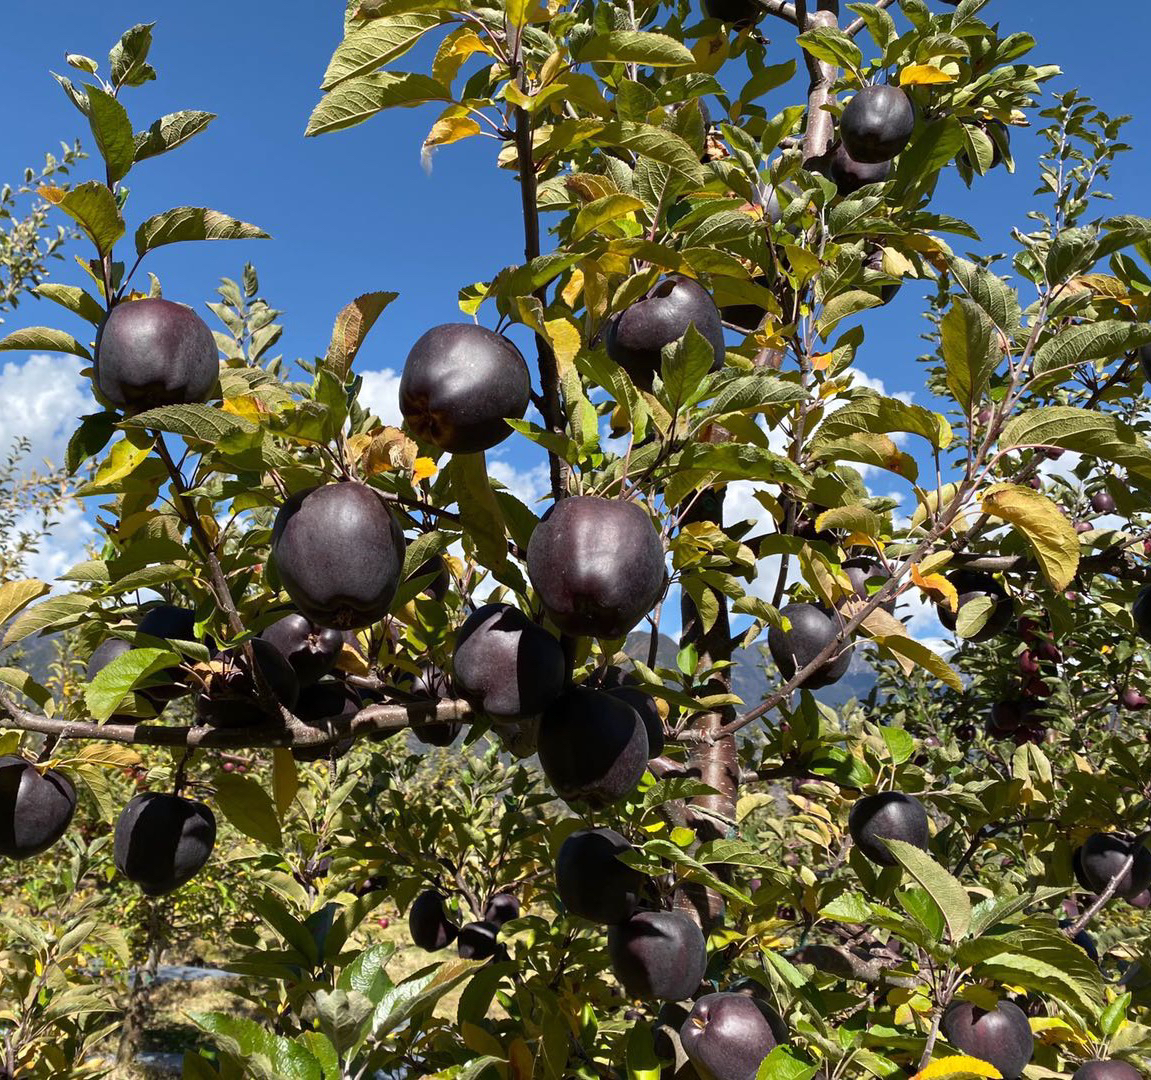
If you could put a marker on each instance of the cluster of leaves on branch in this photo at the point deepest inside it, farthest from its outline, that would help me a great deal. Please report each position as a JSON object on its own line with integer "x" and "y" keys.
{"x": 642, "y": 134}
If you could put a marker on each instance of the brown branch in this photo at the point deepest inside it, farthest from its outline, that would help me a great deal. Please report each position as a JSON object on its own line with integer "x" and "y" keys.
{"x": 781, "y": 9}
{"x": 843, "y": 962}
{"x": 374, "y": 719}
{"x": 820, "y": 127}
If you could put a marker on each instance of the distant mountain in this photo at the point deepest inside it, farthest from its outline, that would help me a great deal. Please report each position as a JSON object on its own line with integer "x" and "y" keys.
{"x": 754, "y": 673}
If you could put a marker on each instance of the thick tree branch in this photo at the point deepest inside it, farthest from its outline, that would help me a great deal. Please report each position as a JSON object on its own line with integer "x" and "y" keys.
{"x": 820, "y": 127}
{"x": 372, "y": 720}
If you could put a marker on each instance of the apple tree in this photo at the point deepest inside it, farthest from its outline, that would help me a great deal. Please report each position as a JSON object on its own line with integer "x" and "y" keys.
{"x": 637, "y": 872}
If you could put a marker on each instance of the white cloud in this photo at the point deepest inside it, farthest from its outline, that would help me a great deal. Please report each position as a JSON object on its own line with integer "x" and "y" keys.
{"x": 63, "y": 547}
{"x": 869, "y": 382}
{"x": 44, "y": 395}
{"x": 380, "y": 393}
{"x": 529, "y": 485}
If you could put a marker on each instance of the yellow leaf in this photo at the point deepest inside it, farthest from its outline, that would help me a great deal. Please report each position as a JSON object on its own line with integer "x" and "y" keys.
{"x": 125, "y": 458}
{"x": 711, "y": 53}
{"x": 285, "y": 780}
{"x": 351, "y": 662}
{"x": 958, "y": 1067}
{"x": 931, "y": 662}
{"x": 17, "y": 595}
{"x": 423, "y": 469}
{"x": 1047, "y": 529}
{"x": 566, "y": 340}
{"x": 246, "y": 407}
{"x": 924, "y": 75}
{"x": 451, "y": 129}
{"x": 521, "y": 1061}
{"x": 936, "y": 586}
{"x": 454, "y": 52}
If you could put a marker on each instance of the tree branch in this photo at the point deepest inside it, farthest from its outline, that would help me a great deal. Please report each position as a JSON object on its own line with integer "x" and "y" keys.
{"x": 1101, "y": 900}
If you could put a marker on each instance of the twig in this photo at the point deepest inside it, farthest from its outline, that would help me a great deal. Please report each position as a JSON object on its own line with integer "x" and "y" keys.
{"x": 1100, "y": 901}
{"x": 856, "y": 27}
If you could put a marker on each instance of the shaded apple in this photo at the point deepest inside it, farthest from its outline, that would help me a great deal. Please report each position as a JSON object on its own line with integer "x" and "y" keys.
{"x": 1102, "y": 857}
{"x": 1141, "y": 612}
{"x": 330, "y": 705}
{"x": 597, "y": 565}
{"x": 874, "y": 263}
{"x": 171, "y": 623}
{"x": 972, "y": 585}
{"x": 592, "y": 882}
{"x": 592, "y": 746}
{"x": 440, "y": 585}
{"x": 431, "y": 685}
{"x": 862, "y": 571}
{"x": 1112, "y": 1069}
{"x": 1142, "y": 900}
{"x": 505, "y": 665}
{"x": 1103, "y": 502}
{"x": 661, "y": 317}
{"x": 812, "y": 629}
{"x": 153, "y": 352}
{"x": 735, "y": 12}
{"x": 649, "y": 713}
{"x": 479, "y": 941}
{"x": 460, "y": 386}
{"x": 1145, "y": 360}
{"x": 35, "y": 808}
{"x": 877, "y": 124}
{"x": 1000, "y": 1036}
{"x": 339, "y": 553}
{"x": 311, "y": 650}
{"x": 231, "y": 698}
{"x": 428, "y": 922}
{"x": 658, "y": 955}
{"x": 501, "y": 908}
{"x": 162, "y": 841}
{"x": 847, "y": 174}
{"x": 727, "y": 1035}
{"x": 887, "y": 815}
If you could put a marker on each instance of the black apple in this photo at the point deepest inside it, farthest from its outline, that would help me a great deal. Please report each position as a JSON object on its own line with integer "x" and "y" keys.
{"x": 877, "y": 124}
{"x": 505, "y": 665}
{"x": 1103, "y": 502}
{"x": 597, "y": 565}
{"x": 163, "y": 841}
{"x": 479, "y": 941}
{"x": 35, "y": 808}
{"x": 328, "y": 705}
{"x": 649, "y": 713}
{"x": 862, "y": 571}
{"x": 658, "y": 955}
{"x": 339, "y": 553}
{"x": 231, "y": 699}
{"x": 1112, "y": 1069}
{"x": 592, "y": 746}
{"x": 429, "y": 924}
{"x": 661, "y": 317}
{"x": 460, "y": 386}
{"x": 311, "y": 650}
{"x": 887, "y": 815}
{"x": 172, "y": 623}
{"x": 812, "y": 629}
{"x": 971, "y": 585}
{"x": 501, "y": 907}
{"x": 847, "y": 174}
{"x": 874, "y": 263}
{"x": 1141, "y": 613}
{"x": 592, "y": 882}
{"x": 153, "y": 352}
{"x": 736, "y": 12}
{"x": 1000, "y": 1036}
{"x": 726, "y": 1036}
{"x": 1102, "y": 857}
{"x": 104, "y": 653}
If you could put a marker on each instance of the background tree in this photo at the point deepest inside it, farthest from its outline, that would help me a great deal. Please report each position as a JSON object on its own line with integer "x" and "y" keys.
{"x": 897, "y": 907}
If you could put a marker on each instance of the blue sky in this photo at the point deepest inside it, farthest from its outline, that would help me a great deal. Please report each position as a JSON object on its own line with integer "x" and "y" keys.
{"x": 357, "y": 211}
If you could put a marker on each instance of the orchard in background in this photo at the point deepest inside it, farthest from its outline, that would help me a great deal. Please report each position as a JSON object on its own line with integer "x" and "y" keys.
{"x": 625, "y": 869}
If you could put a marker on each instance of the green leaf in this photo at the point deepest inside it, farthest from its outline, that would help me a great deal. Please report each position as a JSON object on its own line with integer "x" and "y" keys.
{"x": 871, "y": 412}
{"x": 73, "y": 299}
{"x": 1046, "y": 527}
{"x": 1088, "y": 431}
{"x": 832, "y": 45}
{"x": 920, "y": 654}
{"x": 200, "y": 423}
{"x": 121, "y": 676}
{"x": 900, "y": 745}
{"x": 366, "y": 974}
{"x": 649, "y": 141}
{"x": 170, "y": 131}
{"x": 683, "y": 367}
{"x": 112, "y": 131}
{"x": 17, "y": 595}
{"x": 47, "y": 616}
{"x": 93, "y": 207}
{"x": 352, "y": 326}
{"x": 635, "y": 47}
{"x": 783, "y": 1063}
{"x": 1072, "y": 252}
{"x": 400, "y": 1003}
{"x": 944, "y": 889}
{"x": 1082, "y": 344}
{"x": 971, "y": 352}
{"x": 703, "y": 463}
{"x": 642, "y": 1061}
{"x": 990, "y": 292}
{"x": 600, "y": 211}
{"x": 184, "y": 223}
{"x": 358, "y": 99}
{"x": 880, "y": 25}
{"x": 479, "y": 511}
{"x": 376, "y": 43}
{"x": 1114, "y": 1016}
{"x": 45, "y": 338}
{"x": 754, "y": 393}
{"x": 128, "y": 58}
{"x": 249, "y": 808}
{"x": 267, "y": 1055}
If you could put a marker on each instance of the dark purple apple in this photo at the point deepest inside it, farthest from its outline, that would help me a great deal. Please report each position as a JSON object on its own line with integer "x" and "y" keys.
{"x": 35, "y": 808}
{"x": 429, "y": 924}
{"x": 658, "y": 955}
{"x": 1103, "y": 855}
{"x": 162, "y": 841}
{"x": 887, "y": 815}
{"x": 812, "y": 629}
{"x": 1112, "y": 1069}
{"x": 1000, "y": 1036}
{"x": 877, "y": 124}
{"x": 311, "y": 650}
{"x": 727, "y": 1035}
{"x": 592, "y": 882}
{"x": 971, "y": 585}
